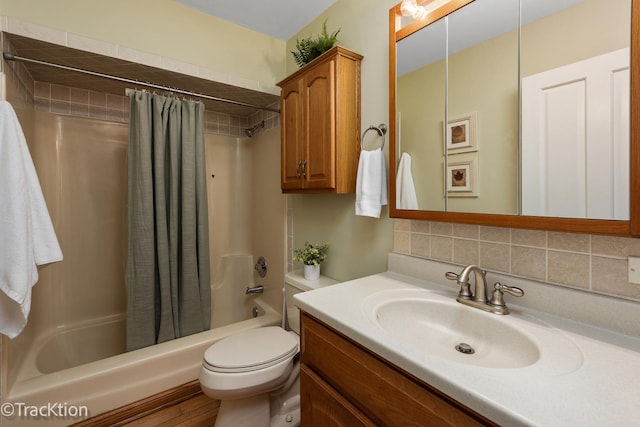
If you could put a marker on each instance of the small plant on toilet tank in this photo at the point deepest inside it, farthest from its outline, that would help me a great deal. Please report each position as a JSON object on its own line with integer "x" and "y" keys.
{"x": 311, "y": 255}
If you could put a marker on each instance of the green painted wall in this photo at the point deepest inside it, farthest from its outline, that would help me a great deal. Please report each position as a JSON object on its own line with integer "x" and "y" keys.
{"x": 359, "y": 245}
{"x": 161, "y": 27}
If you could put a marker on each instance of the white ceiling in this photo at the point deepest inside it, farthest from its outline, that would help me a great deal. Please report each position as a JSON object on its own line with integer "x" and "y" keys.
{"x": 280, "y": 19}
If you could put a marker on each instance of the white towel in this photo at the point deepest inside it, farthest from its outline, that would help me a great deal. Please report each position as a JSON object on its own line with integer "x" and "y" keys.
{"x": 371, "y": 183}
{"x": 405, "y": 190}
{"x": 27, "y": 237}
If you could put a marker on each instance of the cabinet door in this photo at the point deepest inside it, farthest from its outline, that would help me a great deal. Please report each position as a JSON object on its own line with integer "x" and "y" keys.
{"x": 323, "y": 406}
{"x": 292, "y": 152}
{"x": 320, "y": 126}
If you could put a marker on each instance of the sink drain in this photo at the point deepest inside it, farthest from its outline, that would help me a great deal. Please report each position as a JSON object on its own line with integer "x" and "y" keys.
{"x": 465, "y": 348}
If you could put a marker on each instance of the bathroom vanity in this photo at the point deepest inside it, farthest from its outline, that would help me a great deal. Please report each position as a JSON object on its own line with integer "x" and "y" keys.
{"x": 342, "y": 383}
{"x": 380, "y": 350}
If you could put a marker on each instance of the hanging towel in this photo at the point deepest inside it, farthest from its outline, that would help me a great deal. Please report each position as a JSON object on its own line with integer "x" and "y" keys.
{"x": 405, "y": 190}
{"x": 371, "y": 183}
{"x": 27, "y": 237}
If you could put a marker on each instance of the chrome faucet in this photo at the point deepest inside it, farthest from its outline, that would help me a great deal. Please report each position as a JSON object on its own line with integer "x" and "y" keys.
{"x": 478, "y": 299}
{"x": 254, "y": 290}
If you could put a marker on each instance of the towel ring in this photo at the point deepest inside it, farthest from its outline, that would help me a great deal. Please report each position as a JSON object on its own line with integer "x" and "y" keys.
{"x": 382, "y": 131}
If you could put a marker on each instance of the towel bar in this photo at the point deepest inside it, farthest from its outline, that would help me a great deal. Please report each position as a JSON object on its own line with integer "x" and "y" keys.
{"x": 382, "y": 131}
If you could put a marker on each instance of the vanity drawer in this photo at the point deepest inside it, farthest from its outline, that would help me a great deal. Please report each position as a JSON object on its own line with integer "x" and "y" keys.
{"x": 384, "y": 393}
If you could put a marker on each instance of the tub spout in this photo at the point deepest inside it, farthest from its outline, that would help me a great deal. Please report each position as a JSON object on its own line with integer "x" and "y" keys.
{"x": 254, "y": 290}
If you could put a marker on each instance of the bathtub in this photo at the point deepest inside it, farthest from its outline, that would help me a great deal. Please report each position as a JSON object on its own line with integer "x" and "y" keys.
{"x": 109, "y": 383}
{"x": 77, "y": 345}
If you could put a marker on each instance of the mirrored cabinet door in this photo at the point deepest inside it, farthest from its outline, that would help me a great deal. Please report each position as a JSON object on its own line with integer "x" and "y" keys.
{"x": 518, "y": 113}
{"x": 575, "y": 108}
{"x": 421, "y": 110}
{"x": 482, "y": 108}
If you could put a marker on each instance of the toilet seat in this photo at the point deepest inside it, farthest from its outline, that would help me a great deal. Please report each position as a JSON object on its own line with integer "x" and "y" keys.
{"x": 251, "y": 350}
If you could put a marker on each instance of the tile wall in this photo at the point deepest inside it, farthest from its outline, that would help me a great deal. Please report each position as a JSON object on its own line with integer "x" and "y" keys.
{"x": 104, "y": 106}
{"x": 289, "y": 210}
{"x": 17, "y": 78}
{"x": 70, "y": 101}
{"x": 590, "y": 262}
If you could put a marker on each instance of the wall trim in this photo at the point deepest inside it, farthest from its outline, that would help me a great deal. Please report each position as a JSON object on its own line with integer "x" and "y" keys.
{"x": 143, "y": 407}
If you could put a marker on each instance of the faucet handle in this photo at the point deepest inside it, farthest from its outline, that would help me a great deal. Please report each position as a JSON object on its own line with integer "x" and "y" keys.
{"x": 500, "y": 289}
{"x": 451, "y": 275}
{"x": 513, "y": 290}
{"x": 465, "y": 287}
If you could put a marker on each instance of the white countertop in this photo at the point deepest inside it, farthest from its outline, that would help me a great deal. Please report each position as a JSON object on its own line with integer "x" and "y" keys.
{"x": 591, "y": 378}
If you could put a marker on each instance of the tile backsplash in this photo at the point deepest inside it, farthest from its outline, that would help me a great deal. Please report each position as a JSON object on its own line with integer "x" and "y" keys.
{"x": 590, "y": 262}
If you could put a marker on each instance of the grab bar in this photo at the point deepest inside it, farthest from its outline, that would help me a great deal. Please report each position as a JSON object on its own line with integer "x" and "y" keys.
{"x": 254, "y": 290}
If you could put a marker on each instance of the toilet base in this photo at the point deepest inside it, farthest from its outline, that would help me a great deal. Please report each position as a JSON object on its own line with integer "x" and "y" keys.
{"x": 288, "y": 413}
{"x": 255, "y": 411}
{"x": 249, "y": 412}
{"x": 285, "y": 404}
{"x": 280, "y": 408}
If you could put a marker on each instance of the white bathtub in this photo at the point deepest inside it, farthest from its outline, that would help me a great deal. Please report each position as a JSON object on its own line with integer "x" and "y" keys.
{"x": 109, "y": 383}
{"x": 83, "y": 343}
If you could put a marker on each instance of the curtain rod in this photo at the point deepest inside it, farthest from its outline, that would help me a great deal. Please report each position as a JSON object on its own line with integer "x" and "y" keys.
{"x": 11, "y": 57}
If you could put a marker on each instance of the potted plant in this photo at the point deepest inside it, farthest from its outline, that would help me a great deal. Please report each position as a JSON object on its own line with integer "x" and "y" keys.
{"x": 311, "y": 255}
{"x": 308, "y": 48}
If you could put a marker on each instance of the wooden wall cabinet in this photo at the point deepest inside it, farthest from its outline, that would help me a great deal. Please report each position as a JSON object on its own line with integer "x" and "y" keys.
{"x": 320, "y": 124}
{"x": 344, "y": 384}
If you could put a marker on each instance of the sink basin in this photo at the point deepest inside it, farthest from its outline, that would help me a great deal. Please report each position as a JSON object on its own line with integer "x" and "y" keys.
{"x": 428, "y": 322}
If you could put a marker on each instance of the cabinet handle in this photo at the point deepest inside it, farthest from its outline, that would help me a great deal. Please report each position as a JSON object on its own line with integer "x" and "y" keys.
{"x": 304, "y": 169}
{"x": 298, "y": 168}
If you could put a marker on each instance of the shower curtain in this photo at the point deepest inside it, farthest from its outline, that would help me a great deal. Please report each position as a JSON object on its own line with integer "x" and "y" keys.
{"x": 168, "y": 287}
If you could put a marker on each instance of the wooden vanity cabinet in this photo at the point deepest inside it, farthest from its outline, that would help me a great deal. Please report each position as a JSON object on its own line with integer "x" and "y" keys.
{"x": 344, "y": 384}
{"x": 320, "y": 124}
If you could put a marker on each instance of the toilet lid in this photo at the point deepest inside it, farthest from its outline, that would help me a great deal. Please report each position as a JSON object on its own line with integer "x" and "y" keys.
{"x": 251, "y": 350}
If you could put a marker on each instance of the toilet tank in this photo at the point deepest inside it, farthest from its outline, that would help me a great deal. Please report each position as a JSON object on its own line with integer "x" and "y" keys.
{"x": 294, "y": 282}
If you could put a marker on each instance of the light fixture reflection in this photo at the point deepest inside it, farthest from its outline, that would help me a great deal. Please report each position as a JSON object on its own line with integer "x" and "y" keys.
{"x": 412, "y": 9}
{"x": 420, "y": 11}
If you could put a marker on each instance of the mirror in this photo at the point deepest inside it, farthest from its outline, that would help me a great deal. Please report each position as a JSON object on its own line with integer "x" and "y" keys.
{"x": 465, "y": 90}
{"x": 421, "y": 101}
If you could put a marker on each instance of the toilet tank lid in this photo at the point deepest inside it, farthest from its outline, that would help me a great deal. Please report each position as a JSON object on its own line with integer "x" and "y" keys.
{"x": 251, "y": 349}
{"x": 297, "y": 280}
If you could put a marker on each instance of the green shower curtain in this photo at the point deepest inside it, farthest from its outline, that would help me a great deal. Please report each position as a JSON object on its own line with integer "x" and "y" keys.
{"x": 168, "y": 288}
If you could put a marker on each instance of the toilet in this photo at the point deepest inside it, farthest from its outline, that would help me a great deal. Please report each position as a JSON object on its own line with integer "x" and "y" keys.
{"x": 255, "y": 373}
